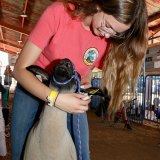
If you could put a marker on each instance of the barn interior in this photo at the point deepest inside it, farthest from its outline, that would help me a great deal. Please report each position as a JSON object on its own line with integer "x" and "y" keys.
{"x": 18, "y": 18}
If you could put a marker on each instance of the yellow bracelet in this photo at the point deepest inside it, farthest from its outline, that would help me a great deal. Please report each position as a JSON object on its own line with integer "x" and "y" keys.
{"x": 52, "y": 97}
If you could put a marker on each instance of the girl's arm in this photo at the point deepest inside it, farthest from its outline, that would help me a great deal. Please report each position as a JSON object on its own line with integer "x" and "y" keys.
{"x": 64, "y": 101}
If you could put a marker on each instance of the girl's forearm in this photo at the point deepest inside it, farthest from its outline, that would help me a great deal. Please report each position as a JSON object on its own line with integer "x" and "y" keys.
{"x": 31, "y": 83}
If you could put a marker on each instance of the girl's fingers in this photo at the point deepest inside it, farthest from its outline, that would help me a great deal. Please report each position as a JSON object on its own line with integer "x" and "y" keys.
{"x": 86, "y": 85}
{"x": 107, "y": 30}
{"x": 84, "y": 103}
{"x": 82, "y": 110}
{"x": 79, "y": 111}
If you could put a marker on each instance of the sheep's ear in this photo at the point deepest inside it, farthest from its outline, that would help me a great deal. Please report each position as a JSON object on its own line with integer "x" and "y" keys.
{"x": 40, "y": 73}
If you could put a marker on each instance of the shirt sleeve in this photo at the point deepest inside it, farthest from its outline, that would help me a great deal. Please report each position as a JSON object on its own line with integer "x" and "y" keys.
{"x": 46, "y": 26}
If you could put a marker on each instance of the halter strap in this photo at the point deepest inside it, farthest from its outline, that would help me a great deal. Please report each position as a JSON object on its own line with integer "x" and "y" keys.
{"x": 74, "y": 76}
{"x": 62, "y": 83}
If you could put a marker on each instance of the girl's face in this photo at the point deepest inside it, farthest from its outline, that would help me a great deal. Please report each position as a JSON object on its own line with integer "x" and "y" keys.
{"x": 107, "y": 26}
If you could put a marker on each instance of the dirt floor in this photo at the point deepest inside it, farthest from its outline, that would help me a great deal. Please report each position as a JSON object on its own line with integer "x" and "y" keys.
{"x": 118, "y": 143}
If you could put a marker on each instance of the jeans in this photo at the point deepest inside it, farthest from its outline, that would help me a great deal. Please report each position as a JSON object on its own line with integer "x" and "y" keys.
{"x": 25, "y": 111}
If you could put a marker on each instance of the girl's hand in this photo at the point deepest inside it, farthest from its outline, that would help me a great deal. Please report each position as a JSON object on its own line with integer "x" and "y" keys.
{"x": 86, "y": 85}
{"x": 72, "y": 102}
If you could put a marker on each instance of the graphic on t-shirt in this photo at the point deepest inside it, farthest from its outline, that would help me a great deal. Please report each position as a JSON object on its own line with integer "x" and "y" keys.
{"x": 90, "y": 56}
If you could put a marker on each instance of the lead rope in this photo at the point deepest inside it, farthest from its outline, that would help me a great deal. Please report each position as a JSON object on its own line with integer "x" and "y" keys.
{"x": 78, "y": 121}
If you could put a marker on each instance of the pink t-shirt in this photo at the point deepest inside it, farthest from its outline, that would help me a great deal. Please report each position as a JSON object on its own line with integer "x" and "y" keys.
{"x": 62, "y": 37}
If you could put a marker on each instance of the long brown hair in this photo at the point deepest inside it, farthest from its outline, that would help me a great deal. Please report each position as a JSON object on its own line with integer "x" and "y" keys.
{"x": 124, "y": 60}
{"x": 125, "y": 56}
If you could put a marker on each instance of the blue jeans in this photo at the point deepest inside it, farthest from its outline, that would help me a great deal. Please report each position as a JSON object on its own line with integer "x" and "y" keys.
{"x": 25, "y": 111}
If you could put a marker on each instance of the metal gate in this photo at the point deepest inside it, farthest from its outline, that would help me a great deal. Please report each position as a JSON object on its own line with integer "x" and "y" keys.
{"x": 135, "y": 102}
{"x": 152, "y": 98}
{"x": 144, "y": 103}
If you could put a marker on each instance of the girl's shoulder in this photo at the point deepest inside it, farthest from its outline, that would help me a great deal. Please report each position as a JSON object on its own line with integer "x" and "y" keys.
{"x": 57, "y": 7}
{"x": 58, "y": 11}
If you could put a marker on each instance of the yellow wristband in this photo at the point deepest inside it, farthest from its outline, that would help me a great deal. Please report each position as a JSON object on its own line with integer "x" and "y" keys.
{"x": 52, "y": 97}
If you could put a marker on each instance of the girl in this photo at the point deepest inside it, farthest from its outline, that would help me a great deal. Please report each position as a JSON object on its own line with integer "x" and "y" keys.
{"x": 91, "y": 33}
